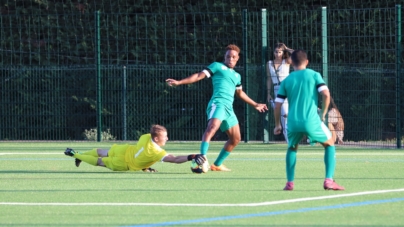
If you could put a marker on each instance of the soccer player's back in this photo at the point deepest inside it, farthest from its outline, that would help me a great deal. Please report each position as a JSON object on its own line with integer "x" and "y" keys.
{"x": 301, "y": 88}
{"x": 301, "y": 91}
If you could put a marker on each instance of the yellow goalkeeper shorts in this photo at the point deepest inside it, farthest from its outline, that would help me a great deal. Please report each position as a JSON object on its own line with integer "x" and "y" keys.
{"x": 116, "y": 158}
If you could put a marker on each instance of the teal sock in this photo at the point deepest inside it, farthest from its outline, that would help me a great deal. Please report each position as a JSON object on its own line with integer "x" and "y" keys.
{"x": 290, "y": 164}
{"x": 204, "y": 147}
{"x": 222, "y": 156}
{"x": 329, "y": 161}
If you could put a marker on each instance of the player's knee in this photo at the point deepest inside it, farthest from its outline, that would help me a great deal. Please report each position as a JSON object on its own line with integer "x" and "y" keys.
{"x": 211, "y": 129}
{"x": 100, "y": 162}
{"x": 329, "y": 142}
{"x": 235, "y": 140}
{"x": 293, "y": 148}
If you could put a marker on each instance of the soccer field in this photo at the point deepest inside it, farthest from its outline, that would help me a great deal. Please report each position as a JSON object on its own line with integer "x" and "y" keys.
{"x": 40, "y": 186}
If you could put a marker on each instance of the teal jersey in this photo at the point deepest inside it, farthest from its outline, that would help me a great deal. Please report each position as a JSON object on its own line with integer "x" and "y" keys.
{"x": 301, "y": 88}
{"x": 225, "y": 82}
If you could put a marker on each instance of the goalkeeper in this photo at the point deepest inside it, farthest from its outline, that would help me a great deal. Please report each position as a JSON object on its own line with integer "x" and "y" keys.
{"x": 134, "y": 157}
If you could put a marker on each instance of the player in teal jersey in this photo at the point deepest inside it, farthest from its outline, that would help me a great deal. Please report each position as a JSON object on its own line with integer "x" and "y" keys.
{"x": 301, "y": 88}
{"x": 226, "y": 83}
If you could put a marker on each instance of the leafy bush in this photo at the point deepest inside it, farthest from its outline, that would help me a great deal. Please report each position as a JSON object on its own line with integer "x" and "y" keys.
{"x": 91, "y": 134}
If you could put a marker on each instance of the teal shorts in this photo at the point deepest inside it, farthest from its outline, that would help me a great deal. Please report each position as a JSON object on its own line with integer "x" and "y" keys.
{"x": 224, "y": 113}
{"x": 315, "y": 133}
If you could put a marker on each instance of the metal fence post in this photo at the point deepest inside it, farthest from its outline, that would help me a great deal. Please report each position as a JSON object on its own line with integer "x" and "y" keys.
{"x": 245, "y": 56}
{"x": 325, "y": 43}
{"x": 124, "y": 120}
{"x": 98, "y": 74}
{"x": 264, "y": 49}
{"x": 324, "y": 65}
{"x": 398, "y": 75}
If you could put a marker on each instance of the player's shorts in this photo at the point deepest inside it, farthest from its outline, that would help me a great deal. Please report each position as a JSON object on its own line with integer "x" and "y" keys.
{"x": 116, "y": 158}
{"x": 225, "y": 114}
{"x": 317, "y": 133}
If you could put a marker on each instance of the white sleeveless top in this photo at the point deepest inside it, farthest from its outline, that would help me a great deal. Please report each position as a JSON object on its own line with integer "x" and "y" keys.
{"x": 283, "y": 71}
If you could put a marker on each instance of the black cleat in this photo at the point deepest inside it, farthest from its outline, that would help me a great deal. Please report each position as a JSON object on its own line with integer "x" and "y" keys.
{"x": 77, "y": 162}
{"x": 149, "y": 170}
{"x": 69, "y": 152}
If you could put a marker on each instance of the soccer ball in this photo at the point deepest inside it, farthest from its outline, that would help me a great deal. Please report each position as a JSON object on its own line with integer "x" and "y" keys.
{"x": 195, "y": 168}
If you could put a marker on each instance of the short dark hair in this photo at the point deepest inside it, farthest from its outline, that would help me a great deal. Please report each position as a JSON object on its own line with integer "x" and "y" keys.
{"x": 233, "y": 47}
{"x": 298, "y": 57}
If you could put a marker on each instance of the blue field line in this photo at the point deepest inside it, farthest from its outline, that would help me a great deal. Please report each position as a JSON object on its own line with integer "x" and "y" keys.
{"x": 272, "y": 213}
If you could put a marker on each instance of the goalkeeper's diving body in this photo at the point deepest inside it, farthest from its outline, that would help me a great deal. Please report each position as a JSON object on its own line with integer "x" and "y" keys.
{"x": 220, "y": 114}
{"x": 137, "y": 157}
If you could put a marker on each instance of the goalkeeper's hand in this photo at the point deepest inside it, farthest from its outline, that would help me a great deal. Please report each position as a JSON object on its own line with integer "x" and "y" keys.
{"x": 199, "y": 159}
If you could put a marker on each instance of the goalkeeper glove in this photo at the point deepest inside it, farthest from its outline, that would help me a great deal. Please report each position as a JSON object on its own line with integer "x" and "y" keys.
{"x": 199, "y": 159}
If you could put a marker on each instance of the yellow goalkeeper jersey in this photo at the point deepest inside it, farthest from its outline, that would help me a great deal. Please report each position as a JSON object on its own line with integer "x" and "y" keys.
{"x": 144, "y": 154}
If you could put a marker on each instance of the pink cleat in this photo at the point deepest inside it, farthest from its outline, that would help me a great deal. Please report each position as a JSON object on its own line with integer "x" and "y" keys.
{"x": 289, "y": 186}
{"x": 330, "y": 184}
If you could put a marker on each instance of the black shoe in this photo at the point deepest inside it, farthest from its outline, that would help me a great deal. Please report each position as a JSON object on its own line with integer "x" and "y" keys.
{"x": 69, "y": 152}
{"x": 149, "y": 170}
{"x": 77, "y": 162}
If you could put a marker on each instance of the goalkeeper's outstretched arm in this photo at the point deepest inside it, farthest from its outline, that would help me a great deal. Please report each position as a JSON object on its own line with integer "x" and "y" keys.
{"x": 199, "y": 159}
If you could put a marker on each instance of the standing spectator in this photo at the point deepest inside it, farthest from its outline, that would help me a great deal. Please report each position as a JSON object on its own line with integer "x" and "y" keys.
{"x": 301, "y": 87}
{"x": 277, "y": 70}
{"x": 226, "y": 84}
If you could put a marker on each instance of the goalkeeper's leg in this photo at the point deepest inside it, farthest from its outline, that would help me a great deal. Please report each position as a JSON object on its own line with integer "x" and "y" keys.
{"x": 87, "y": 158}
{"x": 96, "y": 152}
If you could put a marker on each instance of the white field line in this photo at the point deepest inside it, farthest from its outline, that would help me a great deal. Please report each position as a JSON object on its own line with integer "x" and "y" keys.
{"x": 269, "y": 153}
{"x": 208, "y": 205}
{"x": 30, "y": 153}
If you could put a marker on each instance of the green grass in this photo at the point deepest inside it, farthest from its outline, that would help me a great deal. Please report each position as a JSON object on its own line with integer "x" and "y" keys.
{"x": 40, "y": 186}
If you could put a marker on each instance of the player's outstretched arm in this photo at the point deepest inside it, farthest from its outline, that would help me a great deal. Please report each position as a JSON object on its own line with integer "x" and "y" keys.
{"x": 199, "y": 159}
{"x": 260, "y": 107}
{"x": 189, "y": 80}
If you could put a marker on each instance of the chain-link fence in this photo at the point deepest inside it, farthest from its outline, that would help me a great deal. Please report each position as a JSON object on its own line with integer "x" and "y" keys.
{"x": 63, "y": 74}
